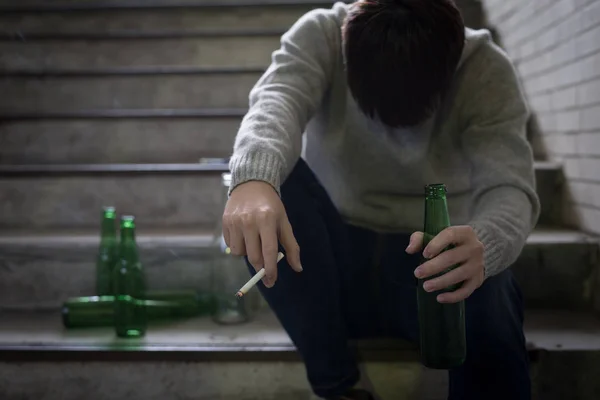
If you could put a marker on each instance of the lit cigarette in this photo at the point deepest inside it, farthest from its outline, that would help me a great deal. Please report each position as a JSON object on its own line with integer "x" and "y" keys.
{"x": 254, "y": 280}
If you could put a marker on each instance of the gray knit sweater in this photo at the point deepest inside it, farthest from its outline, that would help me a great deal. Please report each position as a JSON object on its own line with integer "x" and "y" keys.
{"x": 475, "y": 144}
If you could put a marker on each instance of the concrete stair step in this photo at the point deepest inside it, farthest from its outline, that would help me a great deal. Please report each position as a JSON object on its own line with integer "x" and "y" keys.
{"x": 170, "y": 19}
{"x": 98, "y": 5}
{"x": 558, "y": 268}
{"x": 42, "y": 331}
{"x": 109, "y": 35}
{"x": 191, "y": 360}
{"x": 116, "y": 140}
{"x": 39, "y": 269}
{"x": 165, "y": 89}
{"x": 549, "y": 185}
{"x": 161, "y": 195}
{"x": 200, "y": 360}
{"x": 115, "y": 135}
{"x": 241, "y": 50}
{"x": 27, "y": 22}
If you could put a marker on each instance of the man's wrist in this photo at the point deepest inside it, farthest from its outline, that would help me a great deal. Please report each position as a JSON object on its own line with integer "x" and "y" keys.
{"x": 262, "y": 167}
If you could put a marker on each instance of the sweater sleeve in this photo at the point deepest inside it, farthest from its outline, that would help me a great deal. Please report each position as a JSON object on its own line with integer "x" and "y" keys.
{"x": 269, "y": 141}
{"x": 505, "y": 204}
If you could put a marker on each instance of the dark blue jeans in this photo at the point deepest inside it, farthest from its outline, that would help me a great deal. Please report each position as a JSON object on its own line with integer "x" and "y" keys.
{"x": 357, "y": 284}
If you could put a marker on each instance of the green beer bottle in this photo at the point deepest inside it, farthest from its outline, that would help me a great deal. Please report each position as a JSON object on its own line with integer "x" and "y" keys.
{"x": 128, "y": 285}
{"x": 442, "y": 326}
{"x": 106, "y": 253}
{"x": 99, "y": 311}
{"x": 189, "y": 301}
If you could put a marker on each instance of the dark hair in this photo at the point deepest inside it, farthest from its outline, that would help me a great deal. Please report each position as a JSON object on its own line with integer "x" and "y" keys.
{"x": 401, "y": 56}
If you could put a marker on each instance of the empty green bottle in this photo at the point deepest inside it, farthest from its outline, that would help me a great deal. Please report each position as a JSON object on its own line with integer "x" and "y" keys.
{"x": 107, "y": 252}
{"x": 442, "y": 326}
{"x": 128, "y": 285}
{"x": 99, "y": 311}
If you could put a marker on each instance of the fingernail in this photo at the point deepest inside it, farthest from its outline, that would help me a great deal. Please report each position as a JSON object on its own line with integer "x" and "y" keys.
{"x": 418, "y": 272}
{"x": 426, "y": 254}
{"x": 427, "y": 286}
{"x": 300, "y": 269}
{"x": 408, "y": 247}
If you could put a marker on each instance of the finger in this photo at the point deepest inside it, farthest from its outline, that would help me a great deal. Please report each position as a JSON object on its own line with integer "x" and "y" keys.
{"x": 289, "y": 243}
{"x": 253, "y": 248}
{"x": 464, "y": 292}
{"x": 442, "y": 262}
{"x": 269, "y": 247}
{"x": 415, "y": 244}
{"x": 236, "y": 241}
{"x": 457, "y": 275}
{"x": 455, "y": 235}
{"x": 226, "y": 236}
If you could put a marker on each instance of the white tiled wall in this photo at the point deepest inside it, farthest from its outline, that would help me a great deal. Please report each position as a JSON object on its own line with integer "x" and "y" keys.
{"x": 556, "y": 47}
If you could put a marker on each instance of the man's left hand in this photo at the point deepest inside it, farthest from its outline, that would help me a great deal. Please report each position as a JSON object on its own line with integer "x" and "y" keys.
{"x": 467, "y": 254}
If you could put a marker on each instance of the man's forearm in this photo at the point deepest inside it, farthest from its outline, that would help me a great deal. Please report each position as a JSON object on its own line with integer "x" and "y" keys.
{"x": 502, "y": 222}
{"x": 269, "y": 141}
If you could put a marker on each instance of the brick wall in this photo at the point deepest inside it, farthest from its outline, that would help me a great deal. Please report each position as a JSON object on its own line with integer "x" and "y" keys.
{"x": 556, "y": 47}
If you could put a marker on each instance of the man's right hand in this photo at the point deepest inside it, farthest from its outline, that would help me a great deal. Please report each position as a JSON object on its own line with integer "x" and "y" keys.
{"x": 254, "y": 223}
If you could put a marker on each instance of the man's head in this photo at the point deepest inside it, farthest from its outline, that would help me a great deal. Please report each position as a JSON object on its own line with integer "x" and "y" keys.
{"x": 401, "y": 56}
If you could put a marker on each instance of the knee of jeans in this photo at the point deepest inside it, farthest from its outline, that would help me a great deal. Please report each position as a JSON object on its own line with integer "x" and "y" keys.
{"x": 398, "y": 267}
{"x": 495, "y": 321}
{"x": 501, "y": 288}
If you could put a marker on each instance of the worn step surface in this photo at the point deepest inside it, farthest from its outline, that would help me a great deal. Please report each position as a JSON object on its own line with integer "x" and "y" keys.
{"x": 96, "y": 5}
{"x": 236, "y": 51}
{"x": 122, "y": 140}
{"x": 558, "y": 269}
{"x": 42, "y": 331}
{"x": 197, "y": 359}
{"x": 161, "y": 195}
{"x": 183, "y": 21}
{"x": 188, "y": 20}
{"x": 190, "y": 359}
{"x": 39, "y": 270}
{"x": 166, "y": 195}
{"x": 200, "y": 90}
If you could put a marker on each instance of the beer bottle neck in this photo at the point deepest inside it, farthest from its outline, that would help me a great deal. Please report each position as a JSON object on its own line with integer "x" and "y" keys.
{"x": 108, "y": 229}
{"x": 128, "y": 235}
{"x": 436, "y": 215}
{"x": 127, "y": 246}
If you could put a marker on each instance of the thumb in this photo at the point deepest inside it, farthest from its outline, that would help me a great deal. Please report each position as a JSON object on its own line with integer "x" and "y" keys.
{"x": 289, "y": 243}
{"x": 416, "y": 243}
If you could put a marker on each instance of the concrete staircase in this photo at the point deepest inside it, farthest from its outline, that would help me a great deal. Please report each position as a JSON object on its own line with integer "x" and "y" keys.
{"x": 114, "y": 103}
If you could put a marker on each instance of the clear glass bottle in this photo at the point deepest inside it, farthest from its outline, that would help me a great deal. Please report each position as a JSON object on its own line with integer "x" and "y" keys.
{"x": 228, "y": 274}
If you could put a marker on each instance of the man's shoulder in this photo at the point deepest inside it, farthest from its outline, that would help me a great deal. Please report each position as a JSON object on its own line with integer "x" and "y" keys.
{"x": 482, "y": 57}
{"x": 487, "y": 80}
{"x": 325, "y": 18}
{"x": 319, "y": 29}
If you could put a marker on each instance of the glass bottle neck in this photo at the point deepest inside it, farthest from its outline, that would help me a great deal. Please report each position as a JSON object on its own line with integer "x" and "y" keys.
{"x": 108, "y": 229}
{"x": 436, "y": 215}
{"x": 127, "y": 235}
{"x": 127, "y": 246}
